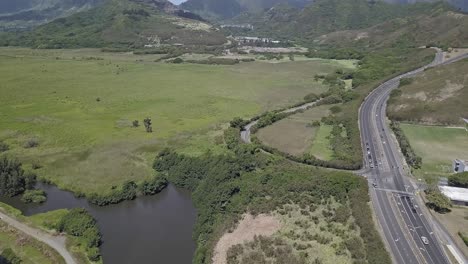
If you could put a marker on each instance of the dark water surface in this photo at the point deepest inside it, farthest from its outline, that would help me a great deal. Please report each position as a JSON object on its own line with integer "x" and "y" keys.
{"x": 150, "y": 229}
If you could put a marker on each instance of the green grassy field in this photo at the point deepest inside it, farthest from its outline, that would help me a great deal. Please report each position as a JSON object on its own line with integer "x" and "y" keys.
{"x": 321, "y": 147}
{"x": 296, "y": 136}
{"x": 438, "y": 147}
{"x": 80, "y": 109}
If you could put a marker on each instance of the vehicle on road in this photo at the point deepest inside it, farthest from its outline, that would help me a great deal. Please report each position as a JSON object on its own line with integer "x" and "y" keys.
{"x": 425, "y": 240}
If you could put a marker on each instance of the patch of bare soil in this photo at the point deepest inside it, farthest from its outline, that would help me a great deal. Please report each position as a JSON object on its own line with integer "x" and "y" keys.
{"x": 455, "y": 52}
{"x": 419, "y": 96}
{"x": 249, "y": 227}
{"x": 449, "y": 90}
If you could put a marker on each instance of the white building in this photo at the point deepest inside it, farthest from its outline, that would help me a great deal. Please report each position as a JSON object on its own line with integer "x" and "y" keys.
{"x": 460, "y": 166}
{"x": 457, "y": 195}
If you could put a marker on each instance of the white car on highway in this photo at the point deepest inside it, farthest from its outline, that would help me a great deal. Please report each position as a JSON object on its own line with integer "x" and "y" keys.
{"x": 425, "y": 240}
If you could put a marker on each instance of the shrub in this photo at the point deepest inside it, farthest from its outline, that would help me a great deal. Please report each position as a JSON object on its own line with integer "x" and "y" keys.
{"x": 79, "y": 223}
{"x": 9, "y": 256}
{"x": 31, "y": 143}
{"x": 13, "y": 179}
{"x": 437, "y": 201}
{"x": 34, "y": 196}
{"x": 238, "y": 122}
{"x": 93, "y": 254}
{"x": 459, "y": 180}
{"x": 177, "y": 60}
{"x": 335, "y": 109}
{"x": 4, "y": 147}
{"x": 406, "y": 81}
{"x": 311, "y": 98}
{"x": 36, "y": 165}
{"x": 464, "y": 238}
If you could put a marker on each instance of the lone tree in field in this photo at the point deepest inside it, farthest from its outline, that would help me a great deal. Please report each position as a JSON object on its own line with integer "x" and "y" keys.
{"x": 148, "y": 124}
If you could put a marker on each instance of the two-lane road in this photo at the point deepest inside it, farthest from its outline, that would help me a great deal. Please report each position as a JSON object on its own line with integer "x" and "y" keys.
{"x": 399, "y": 215}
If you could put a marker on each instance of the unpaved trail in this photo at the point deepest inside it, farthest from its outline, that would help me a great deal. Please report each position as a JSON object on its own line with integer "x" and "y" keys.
{"x": 55, "y": 242}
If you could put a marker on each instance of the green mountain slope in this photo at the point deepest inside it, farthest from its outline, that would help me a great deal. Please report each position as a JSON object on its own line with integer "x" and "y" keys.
{"x": 226, "y": 9}
{"x": 21, "y": 14}
{"x": 326, "y": 16}
{"x": 437, "y": 28}
{"x": 437, "y": 96}
{"x": 120, "y": 23}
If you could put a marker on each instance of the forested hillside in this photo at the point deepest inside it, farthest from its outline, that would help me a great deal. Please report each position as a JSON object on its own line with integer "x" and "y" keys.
{"x": 227, "y": 9}
{"x": 123, "y": 23}
{"x": 20, "y": 14}
{"x": 436, "y": 28}
{"x": 326, "y": 16}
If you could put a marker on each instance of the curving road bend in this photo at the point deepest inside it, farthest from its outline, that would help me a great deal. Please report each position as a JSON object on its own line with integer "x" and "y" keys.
{"x": 55, "y": 242}
{"x": 397, "y": 209}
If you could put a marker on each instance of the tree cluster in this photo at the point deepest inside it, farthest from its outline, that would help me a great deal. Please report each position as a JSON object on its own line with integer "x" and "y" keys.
{"x": 34, "y": 196}
{"x": 13, "y": 179}
{"x": 129, "y": 191}
{"x": 411, "y": 157}
{"x": 148, "y": 125}
{"x": 79, "y": 223}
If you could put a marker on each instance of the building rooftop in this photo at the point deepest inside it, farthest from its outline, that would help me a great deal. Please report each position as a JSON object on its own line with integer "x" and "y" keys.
{"x": 455, "y": 193}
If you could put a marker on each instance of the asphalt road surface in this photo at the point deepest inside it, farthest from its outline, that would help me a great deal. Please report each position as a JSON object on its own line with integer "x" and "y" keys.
{"x": 399, "y": 214}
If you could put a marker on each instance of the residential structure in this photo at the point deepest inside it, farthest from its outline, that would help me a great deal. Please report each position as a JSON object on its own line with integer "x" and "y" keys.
{"x": 460, "y": 165}
{"x": 256, "y": 40}
{"x": 458, "y": 196}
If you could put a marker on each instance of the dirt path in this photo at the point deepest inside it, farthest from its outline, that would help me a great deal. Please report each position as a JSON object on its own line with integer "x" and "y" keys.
{"x": 55, "y": 242}
{"x": 246, "y": 230}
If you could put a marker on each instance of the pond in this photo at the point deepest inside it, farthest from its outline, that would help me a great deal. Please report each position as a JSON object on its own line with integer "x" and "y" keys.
{"x": 150, "y": 229}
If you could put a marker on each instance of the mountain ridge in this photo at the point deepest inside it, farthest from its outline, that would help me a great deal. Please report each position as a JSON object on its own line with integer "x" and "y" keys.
{"x": 123, "y": 23}
{"x": 228, "y": 9}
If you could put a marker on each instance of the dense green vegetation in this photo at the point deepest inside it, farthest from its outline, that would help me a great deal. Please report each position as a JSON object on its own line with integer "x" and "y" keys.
{"x": 325, "y": 16}
{"x": 9, "y": 257}
{"x": 464, "y": 237}
{"x": 79, "y": 223}
{"x": 411, "y": 157}
{"x": 225, "y": 186}
{"x": 118, "y": 23}
{"x": 437, "y": 201}
{"x": 34, "y": 196}
{"x": 129, "y": 191}
{"x": 458, "y": 180}
{"x": 13, "y": 179}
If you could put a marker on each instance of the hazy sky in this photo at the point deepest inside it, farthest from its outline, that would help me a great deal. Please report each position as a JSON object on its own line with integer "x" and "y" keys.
{"x": 177, "y": 1}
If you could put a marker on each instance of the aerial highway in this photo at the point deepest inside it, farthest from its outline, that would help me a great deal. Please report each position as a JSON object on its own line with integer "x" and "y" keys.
{"x": 408, "y": 233}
